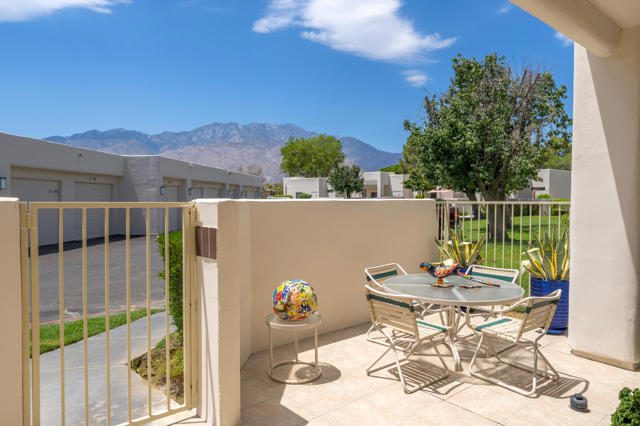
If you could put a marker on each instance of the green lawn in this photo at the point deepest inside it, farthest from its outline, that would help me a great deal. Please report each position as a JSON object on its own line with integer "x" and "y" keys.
{"x": 510, "y": 253}
{"x": 73, "y": 330}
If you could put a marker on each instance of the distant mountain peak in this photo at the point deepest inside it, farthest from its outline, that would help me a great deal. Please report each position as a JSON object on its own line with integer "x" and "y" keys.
{"x": 224, "y": 145}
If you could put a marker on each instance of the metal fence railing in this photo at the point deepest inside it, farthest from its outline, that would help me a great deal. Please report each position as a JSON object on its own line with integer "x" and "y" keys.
{"x": 99, "y": 409}
{"x": 510, "y": 227}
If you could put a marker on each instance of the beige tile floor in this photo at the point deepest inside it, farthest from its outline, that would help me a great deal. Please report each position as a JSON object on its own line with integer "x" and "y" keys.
{"x": 345, "y": 395}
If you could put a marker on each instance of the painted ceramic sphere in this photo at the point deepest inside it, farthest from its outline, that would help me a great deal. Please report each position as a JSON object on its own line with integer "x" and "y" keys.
{"x": 294, "y": 300}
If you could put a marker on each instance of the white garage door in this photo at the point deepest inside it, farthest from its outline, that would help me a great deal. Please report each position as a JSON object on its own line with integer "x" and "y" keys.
{"x": 40, "y": 190}
{"x": 197, "y": 192}
{"x": 92, "y": 192}
{"x": 175, "y": 215}
{"x": 213, "y": 192}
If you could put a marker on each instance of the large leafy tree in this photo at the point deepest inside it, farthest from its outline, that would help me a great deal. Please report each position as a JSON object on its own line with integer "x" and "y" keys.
{"x": 347, "y": 180}
{"x": 418, "y": 181}
{"x": 311, "y": 157}
{"x": 492, "y": 130}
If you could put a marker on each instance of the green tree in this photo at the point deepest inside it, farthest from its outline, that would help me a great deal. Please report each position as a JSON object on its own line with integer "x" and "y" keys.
{"x": 559, "y": 161}
{"x": 396, "y": 168}
{"x": 418, "y": 181}
{"x": 346, "y": 179}
{"x": 311, "y": 157}
{"x": 492, "y": 130}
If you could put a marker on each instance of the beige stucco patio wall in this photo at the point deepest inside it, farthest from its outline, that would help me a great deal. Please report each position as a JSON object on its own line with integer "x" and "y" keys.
{"x": 10, "y": 314}
{"x": 327, "y": 243}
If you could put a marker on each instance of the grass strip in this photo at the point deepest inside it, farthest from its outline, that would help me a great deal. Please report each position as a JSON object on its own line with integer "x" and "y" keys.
{"x": 73, "y": 330}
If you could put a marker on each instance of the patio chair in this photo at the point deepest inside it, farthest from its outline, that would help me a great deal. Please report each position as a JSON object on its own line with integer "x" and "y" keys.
{"x": 538, "y": 315}
{"x": 395, "y": 317}
{"x": 376, "y": 276}
{"x": 486, "y": 312}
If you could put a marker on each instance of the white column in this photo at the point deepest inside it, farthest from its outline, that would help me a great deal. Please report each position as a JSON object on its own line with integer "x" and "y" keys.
{"x": 604, "y": 320}
{"x": 10, "y": 314}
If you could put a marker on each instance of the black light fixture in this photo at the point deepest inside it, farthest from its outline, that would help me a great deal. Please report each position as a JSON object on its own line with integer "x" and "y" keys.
{"x": 190, "y": 191}
{"x": 3, "y": 182}
{"x": 163, "y": 190}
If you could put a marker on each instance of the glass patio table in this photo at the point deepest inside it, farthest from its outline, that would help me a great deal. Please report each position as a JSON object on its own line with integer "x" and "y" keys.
{"x": 418, "y": 286}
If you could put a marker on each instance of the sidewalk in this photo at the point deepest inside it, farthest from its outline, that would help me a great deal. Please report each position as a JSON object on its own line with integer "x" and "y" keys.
{"x": 74, "y": 377}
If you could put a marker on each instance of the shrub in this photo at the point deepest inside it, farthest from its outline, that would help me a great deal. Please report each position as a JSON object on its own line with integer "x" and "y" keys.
{"x": 419, "y": 196}
{"x": 283, "y": 196}
{"x": 543, "y": 196}
{"x": 175, "y": 275}
{"x": 628, "y": 412}
{"x": 304, "y": 195}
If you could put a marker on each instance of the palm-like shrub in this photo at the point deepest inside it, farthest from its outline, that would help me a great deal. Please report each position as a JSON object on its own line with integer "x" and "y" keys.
{"x": 548, "y": 259}
{"x": 464, "y": 253}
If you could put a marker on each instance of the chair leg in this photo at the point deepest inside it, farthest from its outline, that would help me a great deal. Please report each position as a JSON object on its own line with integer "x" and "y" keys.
{"x": 498, "y": 382}
{"x": 397, "y": 362}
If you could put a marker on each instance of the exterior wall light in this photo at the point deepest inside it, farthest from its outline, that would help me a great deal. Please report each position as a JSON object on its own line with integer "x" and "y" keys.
{"x": 190, "y": 191}
{"x": 3, "y": 182}
{"x": 163, "y": 190}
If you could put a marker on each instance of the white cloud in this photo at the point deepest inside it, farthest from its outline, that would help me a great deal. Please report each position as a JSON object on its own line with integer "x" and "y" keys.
{"x": 566, "y": 41}
{"x": 415, "y": 78}
{"x": 24, "y": 10}
{"x": 505, "y": 9}
{"x": 372, "y": 29}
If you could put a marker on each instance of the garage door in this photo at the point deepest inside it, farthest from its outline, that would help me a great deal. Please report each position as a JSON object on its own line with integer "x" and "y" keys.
{"x": 92, "y": 192}
{"x": 175, "y": 216}
{"x": 197, "y": 192}
{"x": 213, "y": 192}
{"x": 40, "y": 190}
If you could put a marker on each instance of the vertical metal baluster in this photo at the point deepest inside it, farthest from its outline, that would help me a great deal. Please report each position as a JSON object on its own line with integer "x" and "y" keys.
{"x": 486, "y": 232}
{"x": 186, "y": 294}
{"x": 549, "y": 227}
{"x": 540, "y": 220}
{"x": 478, "y": 219}
{"x": 559, "y": 218}
{"x": 128, "y": 285}
{"x": 512, "y": 207}
{"x": 107, "y": 311}
{"x": 520, "y": 247}
{"x": 463, "y": 222}
{"x": 530, "y": 226}
{"x": 504, "y": 213}
{"x": 85, "y": 331}
{"x": 35, "y": 318}
{"x": 61, "y": 313}
{"x": 148, "y": 243}
{"x": 24, "y": 272}
{"x": 495, "y": 236}
{"x": 166, "y": 302}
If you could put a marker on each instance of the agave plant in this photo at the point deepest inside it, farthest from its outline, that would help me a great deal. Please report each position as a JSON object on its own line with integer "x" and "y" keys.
{"x": 549, "y": 257}
{"x": 465, "y": 253}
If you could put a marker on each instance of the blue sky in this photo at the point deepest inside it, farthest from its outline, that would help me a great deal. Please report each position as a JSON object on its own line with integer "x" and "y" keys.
{"x": 350, "y": 68}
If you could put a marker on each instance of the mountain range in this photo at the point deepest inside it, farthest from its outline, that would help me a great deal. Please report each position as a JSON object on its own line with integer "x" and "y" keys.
{"x": 225, "y": 145}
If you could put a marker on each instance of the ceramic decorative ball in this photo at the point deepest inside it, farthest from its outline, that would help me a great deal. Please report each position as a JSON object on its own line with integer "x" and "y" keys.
{"x": 294, "y": 300}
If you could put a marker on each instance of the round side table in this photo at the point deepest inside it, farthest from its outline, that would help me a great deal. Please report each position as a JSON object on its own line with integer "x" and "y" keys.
{"x": 276, "y": 323}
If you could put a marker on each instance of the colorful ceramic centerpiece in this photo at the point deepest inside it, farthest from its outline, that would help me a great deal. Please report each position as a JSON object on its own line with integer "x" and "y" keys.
{"x": 294, "y": 300}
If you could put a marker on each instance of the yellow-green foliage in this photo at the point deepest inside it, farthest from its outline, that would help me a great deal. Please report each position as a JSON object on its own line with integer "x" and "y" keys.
{"x": 465, "y": 253}
{"x": 549, "y": 257}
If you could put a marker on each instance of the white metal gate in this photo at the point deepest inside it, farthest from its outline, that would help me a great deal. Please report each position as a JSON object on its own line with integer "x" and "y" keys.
{"x": 30, "y": 254}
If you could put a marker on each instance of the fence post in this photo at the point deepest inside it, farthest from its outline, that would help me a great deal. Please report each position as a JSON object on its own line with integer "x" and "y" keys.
{"x": 11, "y": 313}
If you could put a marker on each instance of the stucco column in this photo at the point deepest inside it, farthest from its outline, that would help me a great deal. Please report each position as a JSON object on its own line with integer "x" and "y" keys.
{"x": 380, "y": 186}
{"x": 604, "y": 321}
{"x": 10, "y": 313}
{"x": 219, "y": 302}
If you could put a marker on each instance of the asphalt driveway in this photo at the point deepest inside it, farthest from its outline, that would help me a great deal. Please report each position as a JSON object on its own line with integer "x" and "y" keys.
{"x": 49, "y": 293}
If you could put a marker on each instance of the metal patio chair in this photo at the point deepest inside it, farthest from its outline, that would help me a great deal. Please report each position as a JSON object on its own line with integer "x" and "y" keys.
{"x": 486, "y": 312}
{"x": 538, "y": 315}
{"x": 376, "y": 276}
{"x": 395, "y": 317}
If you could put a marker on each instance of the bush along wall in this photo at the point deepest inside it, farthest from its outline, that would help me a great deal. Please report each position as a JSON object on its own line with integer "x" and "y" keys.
{"x": 175, "y": 275}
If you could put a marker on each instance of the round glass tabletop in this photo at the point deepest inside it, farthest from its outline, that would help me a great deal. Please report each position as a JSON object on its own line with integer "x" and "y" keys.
{"x": 419, "y": 287}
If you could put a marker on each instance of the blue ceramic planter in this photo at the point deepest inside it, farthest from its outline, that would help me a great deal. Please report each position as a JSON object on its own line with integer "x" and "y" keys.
{"x": 560, "y": 320}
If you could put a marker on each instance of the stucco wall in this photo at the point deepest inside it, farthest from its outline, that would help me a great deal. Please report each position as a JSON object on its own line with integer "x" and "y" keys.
{"x": 261, "y": 243}
{"x": 604, "y": 320}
